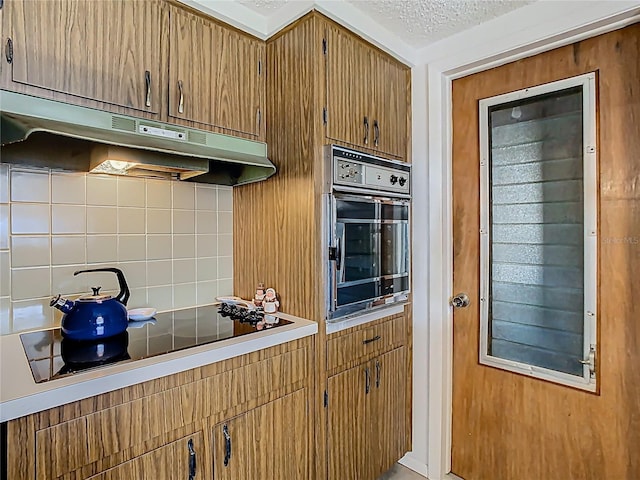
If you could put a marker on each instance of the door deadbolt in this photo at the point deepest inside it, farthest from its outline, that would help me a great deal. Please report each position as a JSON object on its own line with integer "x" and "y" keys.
{"x": 460, "y": 300}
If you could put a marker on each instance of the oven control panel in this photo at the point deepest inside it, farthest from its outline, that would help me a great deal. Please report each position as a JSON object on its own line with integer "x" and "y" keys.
{"x": 359, "y": 170}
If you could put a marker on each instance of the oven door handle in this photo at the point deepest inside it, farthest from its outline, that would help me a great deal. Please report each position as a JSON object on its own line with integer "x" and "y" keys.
{"x": 340, "y": 247}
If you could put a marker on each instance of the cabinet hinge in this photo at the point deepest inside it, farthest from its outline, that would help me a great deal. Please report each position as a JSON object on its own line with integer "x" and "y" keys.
{"x": 325, "y": 115}
{"x": 8, "y": 50}
{"x": 324, "y": 46}
{"x": 326, "y": 399}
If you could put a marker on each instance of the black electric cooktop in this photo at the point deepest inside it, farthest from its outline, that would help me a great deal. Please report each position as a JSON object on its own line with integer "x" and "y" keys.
{"x": 51, "y": 356}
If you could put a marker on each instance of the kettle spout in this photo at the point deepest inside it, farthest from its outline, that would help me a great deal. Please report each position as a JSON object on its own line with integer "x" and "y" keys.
{"x": 62, "y": 304}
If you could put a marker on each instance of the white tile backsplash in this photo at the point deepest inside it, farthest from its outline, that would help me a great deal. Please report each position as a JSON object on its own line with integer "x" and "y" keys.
{"x": 68, "y": 188}
{"x": 102, "y": 190}
{"x": 131, "y": 192}
{"x": 225, "y": 199}
{"x": 158, "y": 194}
{"x": 170, "y": 240}
{"x": 131, "y": 220}
{"x": 102, "y": 248}
{"x": 206, "y": 197}
{"x": 158, "y": 220}
{"x": 102, "y": 220}
{"x": 225, "y": 222}
{"x": 206, "y": 222}
{"x": 29, "y": 283}
{"x": 4, "y": 227}
{"x": 29, "y": 251}
{"x": 184, "y": 270}
{"x": 30, "y": 219}
{"x": 30, "y": 187}
{"x": 184, "y": 195}
{"x": 4, "y": 183}
{"x": 68, "y": 219}
{"x": 132, "y": 247}
{"x": 68, "y": 250}
{"x": 5, "y": 274}
{"x": 184, "y": 221}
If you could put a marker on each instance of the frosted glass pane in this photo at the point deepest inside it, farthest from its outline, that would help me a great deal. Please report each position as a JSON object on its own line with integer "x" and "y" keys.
{"x": 536, "y": 298}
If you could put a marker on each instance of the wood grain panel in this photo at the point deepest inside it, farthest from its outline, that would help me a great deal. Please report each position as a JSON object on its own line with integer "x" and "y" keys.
{"x": 218, "y": 68}
{"x": 94, "y": 50}
{"x": 279, "y": 243}
{"x": 388, "y": 415}
{"x": 267, "y": 442}
{"x": 349, "y": 426}
{"x": 165, "y": 463}
{"x": 365, "y": 342}
{"x": 507, "y": 426}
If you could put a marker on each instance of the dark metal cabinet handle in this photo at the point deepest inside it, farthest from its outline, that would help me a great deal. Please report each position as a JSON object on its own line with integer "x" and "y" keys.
{"x": 370, "y": 340}
{"x": 227, "y": 445}
{"x": 367, "y": 380}
{"x": 181, "y": 101}
{"x": 366, "y": 130}
{"x": 8, "y": 50}
{"x": 192, "y": 460}
{"x": 258, "y": 119}
{"x": 377, "y": 374}
{"x": 376, "y": 132}
{"x": 147, "y": 82}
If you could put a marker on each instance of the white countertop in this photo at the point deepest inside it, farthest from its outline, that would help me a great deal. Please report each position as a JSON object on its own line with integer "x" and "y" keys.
{"x": 358, "y": 319}
{"x": 20, "y": 395}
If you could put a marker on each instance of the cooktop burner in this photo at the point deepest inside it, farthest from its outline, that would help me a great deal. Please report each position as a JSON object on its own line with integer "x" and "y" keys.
{"x": 52, "y": 356}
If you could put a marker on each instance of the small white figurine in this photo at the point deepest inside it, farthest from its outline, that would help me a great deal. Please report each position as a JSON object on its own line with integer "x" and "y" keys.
{"x": 270, "y": 302}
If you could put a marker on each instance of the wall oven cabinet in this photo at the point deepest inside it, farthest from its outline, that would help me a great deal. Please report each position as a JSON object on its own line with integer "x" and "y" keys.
{"x": 368, "y": 235}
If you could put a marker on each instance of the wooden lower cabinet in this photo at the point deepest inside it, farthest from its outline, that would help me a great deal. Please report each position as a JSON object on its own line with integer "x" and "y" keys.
{"x": 366, "y": 417}
{"x": 159, "y": 429}
{"x": 178, "y": 459}
{"x": 268, "y": 442}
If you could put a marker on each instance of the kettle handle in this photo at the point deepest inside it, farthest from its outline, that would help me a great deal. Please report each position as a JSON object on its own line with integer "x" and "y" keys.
{"x": 123, "y": 295}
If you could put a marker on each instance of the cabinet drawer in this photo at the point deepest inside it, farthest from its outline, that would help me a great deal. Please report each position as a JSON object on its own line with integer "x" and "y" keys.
{"x": 365, "y": 342}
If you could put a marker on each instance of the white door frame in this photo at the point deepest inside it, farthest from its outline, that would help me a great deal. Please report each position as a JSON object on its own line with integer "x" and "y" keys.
{"x": 539, "y": 27}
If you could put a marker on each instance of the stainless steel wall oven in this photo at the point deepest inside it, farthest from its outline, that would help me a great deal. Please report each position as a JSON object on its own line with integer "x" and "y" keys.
{"x": 367, "y": 215}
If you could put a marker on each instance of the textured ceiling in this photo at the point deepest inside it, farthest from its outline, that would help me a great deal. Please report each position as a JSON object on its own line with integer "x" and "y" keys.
{"x": 416, "y": 22}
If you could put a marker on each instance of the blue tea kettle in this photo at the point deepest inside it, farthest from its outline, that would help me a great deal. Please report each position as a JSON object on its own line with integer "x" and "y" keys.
{"x": 95, "y": 316}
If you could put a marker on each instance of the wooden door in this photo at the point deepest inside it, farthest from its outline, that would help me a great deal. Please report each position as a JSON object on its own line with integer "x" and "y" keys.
{"x": 508, "y": 426}
{"x": 95, "y": 50}
{"x": 174, "y": 460}
{"x": 349, "y": 93}
{"x": 215, "y": 75}
{"x": 389, "y": 106}
{"x": 348, "y": 437}
{"x": 388, "y": 409}
{"x": 267, "y": 442}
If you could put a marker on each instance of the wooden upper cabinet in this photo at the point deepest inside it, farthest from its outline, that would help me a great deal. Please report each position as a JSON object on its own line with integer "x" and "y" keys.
{"x": 215, "y": 74}
{"x": 367, "y": 94}
{"x": 109, "y": 51}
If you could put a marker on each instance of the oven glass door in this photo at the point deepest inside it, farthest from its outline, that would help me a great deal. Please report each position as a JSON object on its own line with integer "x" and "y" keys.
{"x": 372, "y": 256}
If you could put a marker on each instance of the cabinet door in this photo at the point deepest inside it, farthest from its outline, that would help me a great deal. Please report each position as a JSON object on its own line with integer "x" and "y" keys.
{"x": 388, "y": 409}
{"x": 349, "y": 424}
{"x": 349, "y": 95}
{"x": 270, "y": 441}
{"x": 389, "y": 106}
{"x": 215, "y": 74}
{"x": 180, "y": 459}
{"x": 96, "y": 50}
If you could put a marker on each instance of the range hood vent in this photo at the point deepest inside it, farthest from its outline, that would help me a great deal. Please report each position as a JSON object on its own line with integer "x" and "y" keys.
{"x": 44, "y": 132}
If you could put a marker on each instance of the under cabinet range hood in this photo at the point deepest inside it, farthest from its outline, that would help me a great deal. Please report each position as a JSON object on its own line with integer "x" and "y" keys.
{"x": 43, "y": 132}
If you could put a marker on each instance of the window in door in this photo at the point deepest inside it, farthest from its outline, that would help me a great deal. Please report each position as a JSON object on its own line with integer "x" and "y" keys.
{"x": 538, "y": 232}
